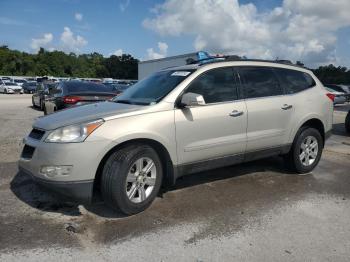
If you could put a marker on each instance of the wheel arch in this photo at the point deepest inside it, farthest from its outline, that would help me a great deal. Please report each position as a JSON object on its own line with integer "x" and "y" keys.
{"x": 163, "y": 153}
{"x": 314, "y": 122}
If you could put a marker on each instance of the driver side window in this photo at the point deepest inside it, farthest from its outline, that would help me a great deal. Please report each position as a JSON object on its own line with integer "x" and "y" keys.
{"x": 216, "y": 85}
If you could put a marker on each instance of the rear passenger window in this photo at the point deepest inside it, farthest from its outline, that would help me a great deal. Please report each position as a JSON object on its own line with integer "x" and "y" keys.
{"x": 295, "y": 81}
{"x": 259, "y": 82}
{"x": 217, "y": 85}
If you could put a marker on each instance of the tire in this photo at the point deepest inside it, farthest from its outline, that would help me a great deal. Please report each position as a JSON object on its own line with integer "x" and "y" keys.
{"x": 347, "y": 122}
{"x": 45, "y": 110}
{"x": 41, "y": 105}
{"x": 5, "y": 91}
{"x": 33, "y": 102}
{"x": 121, "y": 165}
{"x": 305, "y": 163}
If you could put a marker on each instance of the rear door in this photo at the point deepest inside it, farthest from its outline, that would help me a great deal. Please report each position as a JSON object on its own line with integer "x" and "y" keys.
{"x": 269, "y": 110}
{"x": 216, "y": 129}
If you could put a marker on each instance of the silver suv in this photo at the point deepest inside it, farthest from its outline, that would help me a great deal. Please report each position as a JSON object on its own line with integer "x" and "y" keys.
{"x": 179, "y": 121}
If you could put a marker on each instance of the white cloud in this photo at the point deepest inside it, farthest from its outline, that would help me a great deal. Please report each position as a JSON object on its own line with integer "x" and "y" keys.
{"x": 44, "y": 42}
{"x": 163, "y": 50}
{"x": 118, "y": 52}
{"x": 71, "y": 43}
{"x": 298, "y": 29}
{"x": 78, "y": 17}
{"x": 124, "y": 5}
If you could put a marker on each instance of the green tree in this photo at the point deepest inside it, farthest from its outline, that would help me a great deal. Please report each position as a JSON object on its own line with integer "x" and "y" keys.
{"x": 58, "y": 63}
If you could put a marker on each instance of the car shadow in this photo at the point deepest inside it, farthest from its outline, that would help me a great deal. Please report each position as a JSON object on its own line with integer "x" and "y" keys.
{"x": 42, "y": 199}
{"x": 35, "y": 108}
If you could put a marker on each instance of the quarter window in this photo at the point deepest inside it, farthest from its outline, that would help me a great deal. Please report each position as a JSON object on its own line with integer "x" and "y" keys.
{"x": 259, "y": 82}
{"x": 295, "y": 81}
{"x": 217, "y": 85}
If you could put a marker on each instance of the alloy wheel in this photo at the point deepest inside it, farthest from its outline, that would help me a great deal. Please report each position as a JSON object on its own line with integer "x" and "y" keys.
{"x": 141, "y": 180}
{"x": 308, "y": 151}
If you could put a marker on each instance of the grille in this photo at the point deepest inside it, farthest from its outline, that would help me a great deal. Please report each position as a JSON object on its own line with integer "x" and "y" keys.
{"x": 37, "y": 134}
{"x": 28, "y": 152}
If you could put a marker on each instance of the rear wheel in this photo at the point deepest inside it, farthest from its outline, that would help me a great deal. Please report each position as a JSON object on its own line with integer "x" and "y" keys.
{"x": 347, "y": 122}
{"x": 306, "y": 150}
{"x": 131, "y": 178}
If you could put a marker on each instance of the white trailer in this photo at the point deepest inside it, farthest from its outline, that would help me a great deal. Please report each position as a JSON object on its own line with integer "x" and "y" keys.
{"x": 145, "y": 68}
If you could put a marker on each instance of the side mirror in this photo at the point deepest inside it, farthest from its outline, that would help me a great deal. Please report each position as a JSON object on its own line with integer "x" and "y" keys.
{"x": 192, "y": 99}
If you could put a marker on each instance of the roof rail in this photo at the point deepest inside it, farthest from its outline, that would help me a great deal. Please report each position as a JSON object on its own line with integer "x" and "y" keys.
{"x": 205, "y": 58}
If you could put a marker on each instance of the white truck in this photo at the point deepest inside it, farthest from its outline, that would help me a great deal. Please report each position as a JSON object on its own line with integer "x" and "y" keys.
{"x": 145, "y": 68}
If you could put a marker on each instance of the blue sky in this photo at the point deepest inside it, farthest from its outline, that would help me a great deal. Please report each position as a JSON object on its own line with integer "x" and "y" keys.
{"x": 111, "y": 25}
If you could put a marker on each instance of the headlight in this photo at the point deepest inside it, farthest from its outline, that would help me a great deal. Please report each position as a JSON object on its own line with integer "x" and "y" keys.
{"x": 74, "y": 133}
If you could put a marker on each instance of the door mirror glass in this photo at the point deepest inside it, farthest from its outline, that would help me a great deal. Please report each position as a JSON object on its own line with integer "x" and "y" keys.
{"x": 192, "y": 99}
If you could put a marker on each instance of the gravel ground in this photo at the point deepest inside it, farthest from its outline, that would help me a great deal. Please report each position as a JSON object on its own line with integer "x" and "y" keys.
{"x": 252, "y": 212}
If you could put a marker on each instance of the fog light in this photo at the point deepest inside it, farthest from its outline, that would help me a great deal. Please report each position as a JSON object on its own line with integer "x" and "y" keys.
{"x": 51, "y": 171}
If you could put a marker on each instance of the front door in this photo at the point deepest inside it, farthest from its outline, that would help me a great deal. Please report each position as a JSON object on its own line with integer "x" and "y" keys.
{"x": 216, "y": 129}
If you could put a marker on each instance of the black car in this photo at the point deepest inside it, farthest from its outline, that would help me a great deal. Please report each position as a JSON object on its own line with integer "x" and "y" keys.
{"x": 74, "y": 93}
{"x": 29, "y": 87}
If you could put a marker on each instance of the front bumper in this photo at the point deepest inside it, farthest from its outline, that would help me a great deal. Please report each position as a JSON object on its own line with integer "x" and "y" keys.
{"x": 15, "y": 91}
{"x": 80, "y": 191}
{"x": 84, "y": 158}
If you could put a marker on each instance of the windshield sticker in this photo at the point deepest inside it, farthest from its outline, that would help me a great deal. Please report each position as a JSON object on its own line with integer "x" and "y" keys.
{"x": 180, "y": 73}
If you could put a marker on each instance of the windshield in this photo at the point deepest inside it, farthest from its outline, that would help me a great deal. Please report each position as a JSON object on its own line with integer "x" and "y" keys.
{"x": 153, "y": 88}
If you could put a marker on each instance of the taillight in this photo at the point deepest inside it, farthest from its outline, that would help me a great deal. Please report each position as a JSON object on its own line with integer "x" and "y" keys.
{"x": 331, "y": 96}
{"x": 71, "y": 99}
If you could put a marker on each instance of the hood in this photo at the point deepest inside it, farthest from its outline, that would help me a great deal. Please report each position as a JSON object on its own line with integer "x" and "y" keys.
{"x": 83, "y": 113}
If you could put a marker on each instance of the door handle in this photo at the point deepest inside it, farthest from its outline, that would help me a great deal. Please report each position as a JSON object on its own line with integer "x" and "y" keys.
{"x": 286, "y": 107}
{"x": 236, "y": 113}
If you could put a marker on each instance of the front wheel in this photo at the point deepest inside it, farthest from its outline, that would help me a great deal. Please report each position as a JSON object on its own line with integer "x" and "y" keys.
{"x": 131, "y": 178}
{"x": 306, "y": 151}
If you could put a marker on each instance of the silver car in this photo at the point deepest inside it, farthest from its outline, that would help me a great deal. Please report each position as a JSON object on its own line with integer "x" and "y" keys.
{"x": 180, "y": 121}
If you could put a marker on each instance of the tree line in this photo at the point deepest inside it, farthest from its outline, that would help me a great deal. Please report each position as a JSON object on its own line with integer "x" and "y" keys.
{"x": 58, "y": 63}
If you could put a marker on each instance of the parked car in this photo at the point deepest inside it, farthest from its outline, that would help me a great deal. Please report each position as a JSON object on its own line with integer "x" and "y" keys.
{"x": 10, "y": 88}
{"x": 29, "y": 87}
{"x": 339, "y": 97}
{"x": 6, "y": 79}
{"x": 38, "y": 96}
{"x": 75, "y": 93}
{"x": 19, "y": 81}
{"x": 342, "y": 89}
{"x": 179, "y": 121}
{"x": 347, "y": 122}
